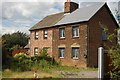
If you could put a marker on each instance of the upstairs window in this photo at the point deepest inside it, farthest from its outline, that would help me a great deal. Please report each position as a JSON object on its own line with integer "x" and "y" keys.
{"x": 36, "y": 34}
{"x": 62, "y": 32}
{"x": 104, "y": 35}
{"x": 61, "y": 52}
{"x": 75, "y": 31}
{"x": 75, "y": 53}
{"x": 45, "y": 34}
{"x": 36, "y": 51}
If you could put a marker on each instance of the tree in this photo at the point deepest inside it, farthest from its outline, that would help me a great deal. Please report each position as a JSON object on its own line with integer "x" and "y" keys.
{"x": 115, "y": 54}
{"x": 14, "y": 41}
{"x": 10, "y": 42}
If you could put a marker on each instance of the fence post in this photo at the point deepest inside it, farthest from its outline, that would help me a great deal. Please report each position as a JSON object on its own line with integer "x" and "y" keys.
{"x": 100, "y": 63}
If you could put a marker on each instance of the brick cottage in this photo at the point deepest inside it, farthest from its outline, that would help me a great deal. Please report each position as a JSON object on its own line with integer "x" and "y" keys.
{"x": 73, "y": 37}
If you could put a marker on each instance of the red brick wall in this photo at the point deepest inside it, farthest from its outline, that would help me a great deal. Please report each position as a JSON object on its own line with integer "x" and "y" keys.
{"x": 68, "y": 41}
{"x": 95, "y": 34}
{"x": 91, "y": 29}
{"x": 41, "y": 42}
{"x": 70, "y": 7}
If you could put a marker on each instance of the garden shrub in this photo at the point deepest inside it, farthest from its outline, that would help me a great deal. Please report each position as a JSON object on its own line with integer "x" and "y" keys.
{"x": 115, "y": 56}
{"x": 20, "y": 56}
{"x": 43, "y": 53}
{"x": 22, "y": 62}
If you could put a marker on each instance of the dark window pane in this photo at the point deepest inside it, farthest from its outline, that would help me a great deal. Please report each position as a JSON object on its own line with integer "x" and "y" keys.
{"x": 45, "y": 34}
{"x": 36, "y": 35}
{"x": 104, "y": 36}
{"x": 75, "y": 31}
{"x": 62, "y": 32}
{"x": 75, "y": 52}
{"x": 35, "y": 51}
{"x": 61, "y": 52}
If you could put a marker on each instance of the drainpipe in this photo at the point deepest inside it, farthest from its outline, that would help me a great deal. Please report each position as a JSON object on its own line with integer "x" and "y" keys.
{"x": 100, "y": 63}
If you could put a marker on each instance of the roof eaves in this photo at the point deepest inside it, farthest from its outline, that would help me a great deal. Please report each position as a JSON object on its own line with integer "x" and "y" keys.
{"x": 75, "y": 19}
{"x": 72, "y": 23}
{"x": 53, "y": 24}
{"x": 117, "y": 25}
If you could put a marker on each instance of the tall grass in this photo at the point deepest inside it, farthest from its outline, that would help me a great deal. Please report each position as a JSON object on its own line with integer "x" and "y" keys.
{"x": 21, "y": 62}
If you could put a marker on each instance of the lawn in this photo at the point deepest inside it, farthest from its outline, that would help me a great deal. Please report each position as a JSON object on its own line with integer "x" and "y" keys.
{"x": 54, "y": 72}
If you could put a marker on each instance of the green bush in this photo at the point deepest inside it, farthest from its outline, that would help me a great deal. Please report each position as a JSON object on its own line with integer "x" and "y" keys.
{"x": 22, "y": 62}
{"x": 43, "y": 53}
{"x": 115, "y": 62}
{"x": 20, "y": 56}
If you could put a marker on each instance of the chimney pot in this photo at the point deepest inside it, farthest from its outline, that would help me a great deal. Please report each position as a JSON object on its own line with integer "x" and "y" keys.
{"x": 70, "y": 6}
{"x": 68, "y": 1}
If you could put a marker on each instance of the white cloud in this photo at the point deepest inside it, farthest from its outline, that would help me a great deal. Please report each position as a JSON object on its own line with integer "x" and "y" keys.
{"x": 13, "y": 29}
{"x": 34, "y": 0}
{"x": 17, "y": 14}
{"x": 56, "y": 0}
{"x": 22, "y": 14}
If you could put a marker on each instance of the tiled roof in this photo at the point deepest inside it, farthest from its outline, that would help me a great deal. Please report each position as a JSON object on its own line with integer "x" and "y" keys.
{"x": 81, "y": 14}
{"x": 27, "y": 46}
{"x": 48, "y": 21}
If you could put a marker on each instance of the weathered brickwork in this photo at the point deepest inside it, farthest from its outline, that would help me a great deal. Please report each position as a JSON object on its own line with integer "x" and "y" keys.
{"x": 41, "y": 42}
{"x": 70, "y": 7}
{"x": 68, "y": 42}
{"x": 101, "y": 19}
{"x": 89, "y": 40}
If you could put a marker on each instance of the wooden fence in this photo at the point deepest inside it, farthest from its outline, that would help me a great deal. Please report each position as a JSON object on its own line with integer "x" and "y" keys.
{"x": 19, "y": 51}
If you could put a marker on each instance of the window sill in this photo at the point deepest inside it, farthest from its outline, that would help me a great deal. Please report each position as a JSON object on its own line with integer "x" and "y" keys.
{"x": 75, "y": 58}
{"x": 62, "y": 37}
{"x": 75, "y": 37}
{"x": 61, "y": 57}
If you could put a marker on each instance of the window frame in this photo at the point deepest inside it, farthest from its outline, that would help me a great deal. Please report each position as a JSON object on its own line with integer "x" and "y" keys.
{"x": 76, "y": 55}
{"x": 62, "y": 33}
{"x": 45, "y": 34}
{"x": 61, "y": 55}
{"x": 35, "y": 51}
{"x": 36, "y": 35}
{"x": 104, "y": 35}
{"x": 77, "y": 31}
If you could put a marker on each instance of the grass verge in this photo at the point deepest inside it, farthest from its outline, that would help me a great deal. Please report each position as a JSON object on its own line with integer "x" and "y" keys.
{"x": 51, "y": 72}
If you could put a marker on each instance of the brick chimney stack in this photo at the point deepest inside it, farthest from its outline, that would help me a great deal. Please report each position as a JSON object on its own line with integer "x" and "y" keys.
{"x": 70, "y": 6}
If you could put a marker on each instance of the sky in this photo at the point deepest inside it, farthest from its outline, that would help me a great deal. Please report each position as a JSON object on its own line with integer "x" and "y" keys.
{"x": 21, "y": 15}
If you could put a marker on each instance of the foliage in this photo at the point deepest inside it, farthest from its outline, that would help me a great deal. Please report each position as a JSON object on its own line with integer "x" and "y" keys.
{"x": 43, "y": 53}
{"x": 10, "y": 42}
{"x": 20, "y": 56}
{"x": 15, "y": 47}
{"x": 22, "y": 62}
{"x": 115, "y": 56}
{"x": 115, "y": 53}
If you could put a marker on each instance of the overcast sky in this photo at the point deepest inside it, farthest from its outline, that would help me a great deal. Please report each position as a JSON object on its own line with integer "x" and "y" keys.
{"x": 21, "y": 15}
